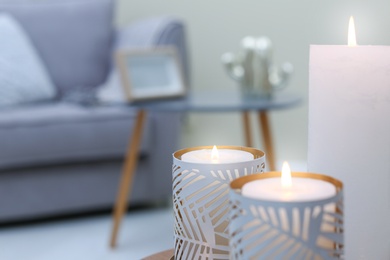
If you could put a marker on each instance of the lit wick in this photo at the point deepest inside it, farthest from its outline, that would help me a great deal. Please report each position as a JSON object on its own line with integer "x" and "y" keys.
{"x": 214, "y": 154}
{"x": 351, "y": 33}
{"x": 286, "y": 176}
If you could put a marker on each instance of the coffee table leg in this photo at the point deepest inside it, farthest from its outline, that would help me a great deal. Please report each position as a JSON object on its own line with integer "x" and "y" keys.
{"x": 267, "y": 138}
{"x": 247, "y": 129}
{"x": 128, "y": 171}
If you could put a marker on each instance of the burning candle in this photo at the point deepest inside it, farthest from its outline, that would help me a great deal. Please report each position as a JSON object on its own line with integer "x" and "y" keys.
{"x": 288, "y": 189}
{"x": 217, "y": 156}
{"x": 286, "y": 216}
{"x": 349, "y": 126}
{"x": 201, "y": 178}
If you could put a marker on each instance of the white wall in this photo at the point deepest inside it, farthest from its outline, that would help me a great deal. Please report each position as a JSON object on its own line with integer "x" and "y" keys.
{"x": 216, "y": 26}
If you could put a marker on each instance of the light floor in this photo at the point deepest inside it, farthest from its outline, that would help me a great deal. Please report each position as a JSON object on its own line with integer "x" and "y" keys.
{"x": 143, "y": 232}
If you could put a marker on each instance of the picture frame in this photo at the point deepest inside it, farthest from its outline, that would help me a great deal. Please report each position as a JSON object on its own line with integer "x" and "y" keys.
{"x": 153, "y": 73}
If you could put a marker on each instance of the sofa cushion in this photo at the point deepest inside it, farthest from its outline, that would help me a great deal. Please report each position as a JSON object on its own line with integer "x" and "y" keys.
{"x": 60, "y": 133}
{"x": 73, "y": 37}
{"x": 23, "y": 76}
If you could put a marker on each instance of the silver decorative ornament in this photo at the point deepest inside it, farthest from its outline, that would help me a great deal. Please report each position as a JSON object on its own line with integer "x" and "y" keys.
{"x": 252, "y": 68}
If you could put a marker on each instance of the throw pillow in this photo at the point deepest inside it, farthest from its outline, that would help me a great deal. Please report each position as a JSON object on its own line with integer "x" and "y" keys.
{"x": 73, "y": 37}
{"x": 23, "y": 76}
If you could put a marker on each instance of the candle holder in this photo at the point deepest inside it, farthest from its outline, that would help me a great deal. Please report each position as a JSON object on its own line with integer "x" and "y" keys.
{"x": 201, "y": 202}
{"x": 264, "y": 229}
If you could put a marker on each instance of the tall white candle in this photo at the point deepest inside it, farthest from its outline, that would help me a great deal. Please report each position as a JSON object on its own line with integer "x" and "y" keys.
{"x": 349, "y": 138}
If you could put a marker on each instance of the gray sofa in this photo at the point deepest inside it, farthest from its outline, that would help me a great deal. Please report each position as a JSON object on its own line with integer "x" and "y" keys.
{"x": 65, "y": 156}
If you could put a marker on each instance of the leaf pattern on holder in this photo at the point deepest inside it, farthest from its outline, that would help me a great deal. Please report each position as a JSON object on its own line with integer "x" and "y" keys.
{"x": 201, "y": 207}
{"x": 277, "y": 230}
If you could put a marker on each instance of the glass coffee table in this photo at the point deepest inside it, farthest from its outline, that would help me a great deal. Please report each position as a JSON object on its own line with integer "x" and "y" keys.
{"x": 207, "y": 101}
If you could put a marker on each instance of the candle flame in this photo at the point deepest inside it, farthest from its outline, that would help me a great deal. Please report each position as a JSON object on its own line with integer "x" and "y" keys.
{"x": 351, "y": 33}
{"x": 214, "y": 154}
{"x": 286, "y": 176}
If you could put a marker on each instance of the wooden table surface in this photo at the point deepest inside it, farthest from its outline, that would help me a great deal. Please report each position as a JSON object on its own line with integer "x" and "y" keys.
{"x": 164, "y": 255}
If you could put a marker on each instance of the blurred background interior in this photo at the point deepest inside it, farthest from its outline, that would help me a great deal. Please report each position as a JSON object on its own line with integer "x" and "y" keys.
{"x": 61, "y": 158}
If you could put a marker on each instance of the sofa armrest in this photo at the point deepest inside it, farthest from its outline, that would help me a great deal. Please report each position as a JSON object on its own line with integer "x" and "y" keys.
{"x": 157, "y": 31}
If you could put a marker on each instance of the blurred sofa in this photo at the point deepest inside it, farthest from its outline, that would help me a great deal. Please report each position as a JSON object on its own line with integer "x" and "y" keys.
{"x": 65, "y": 156}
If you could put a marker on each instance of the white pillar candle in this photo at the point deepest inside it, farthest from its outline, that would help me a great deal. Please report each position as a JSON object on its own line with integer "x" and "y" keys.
{"x": 349, "y": 138}
{"x": 302, "y": 189}
{"x": 293, "y": 190}
{"x": 217, "y": 156}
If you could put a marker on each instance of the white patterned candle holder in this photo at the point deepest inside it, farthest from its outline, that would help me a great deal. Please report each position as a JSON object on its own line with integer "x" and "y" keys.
{"x": 201, "y": 202}
{"x": 265, "y": 229}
